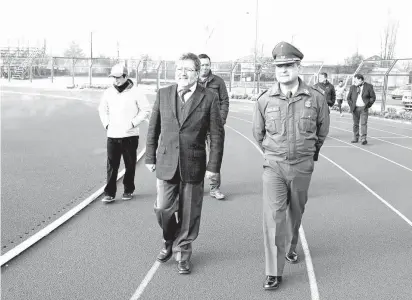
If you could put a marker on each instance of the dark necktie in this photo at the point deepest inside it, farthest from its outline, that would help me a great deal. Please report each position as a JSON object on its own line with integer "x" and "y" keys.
{"x": 182, "y": 94}
{"x": 289, "y": 95}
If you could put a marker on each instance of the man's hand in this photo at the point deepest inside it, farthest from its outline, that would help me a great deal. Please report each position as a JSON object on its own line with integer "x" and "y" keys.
{"x": 210, "y": 174}
{"x": 151, "y": 167}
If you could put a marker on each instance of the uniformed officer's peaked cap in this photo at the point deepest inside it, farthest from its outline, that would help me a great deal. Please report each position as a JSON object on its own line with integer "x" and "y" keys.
{"x": 285, "y": 53}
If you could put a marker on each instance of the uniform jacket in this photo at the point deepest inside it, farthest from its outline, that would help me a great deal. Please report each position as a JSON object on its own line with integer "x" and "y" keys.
{"x": 329, "y": 90}
{"x": 184, "y": 145}
{"x": 121, "y": 113}
{"x": 217, "y": 85}
{"x": 368, "y": 96}
{"x": 294, "y": 130}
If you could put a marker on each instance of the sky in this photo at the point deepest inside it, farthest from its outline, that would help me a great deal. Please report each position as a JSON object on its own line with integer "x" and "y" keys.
{"x": 326, "y": 31}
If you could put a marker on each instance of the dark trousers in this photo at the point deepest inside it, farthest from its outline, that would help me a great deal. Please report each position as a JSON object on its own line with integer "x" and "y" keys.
{"x": 285, "y": 193}
{"x": 339, "y": 101}
{"x": 186, "y": 199}
{"x": 360, "y": 114}
{"x": 216, "y": 179}
{"x": 117, "y": 147}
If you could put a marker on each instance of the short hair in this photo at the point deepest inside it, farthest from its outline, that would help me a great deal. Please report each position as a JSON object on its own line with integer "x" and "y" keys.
{"x": 193, "y": 57}
{"x": 204, "y": 56}
{"x": 324, "y": 74}
{"x": 340, "y": 80}
{"x": 359, "y": 76}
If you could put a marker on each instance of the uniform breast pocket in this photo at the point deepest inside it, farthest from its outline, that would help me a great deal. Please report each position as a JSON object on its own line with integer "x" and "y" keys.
{"x": 308, "y": 120}
{"x": 273, "y": 124}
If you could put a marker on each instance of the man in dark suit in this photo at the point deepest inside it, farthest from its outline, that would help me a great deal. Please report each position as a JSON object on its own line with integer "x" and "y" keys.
{"x": 182, "y": 115}
{"x": 360, "y": 98}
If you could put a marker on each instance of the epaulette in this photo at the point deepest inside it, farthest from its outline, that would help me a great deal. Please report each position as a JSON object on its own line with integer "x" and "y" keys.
{"x": 260, "y": 94}
{"x": 318, "y": 89}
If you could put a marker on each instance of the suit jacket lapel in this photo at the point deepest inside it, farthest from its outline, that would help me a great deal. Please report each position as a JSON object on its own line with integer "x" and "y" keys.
{"x": 196, "y": 99}
{"x": 172, "y": 97}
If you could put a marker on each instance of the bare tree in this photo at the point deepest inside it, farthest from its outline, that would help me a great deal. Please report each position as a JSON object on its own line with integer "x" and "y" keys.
{"x": 388, "y": 38}
{"x": 74, "y": 50}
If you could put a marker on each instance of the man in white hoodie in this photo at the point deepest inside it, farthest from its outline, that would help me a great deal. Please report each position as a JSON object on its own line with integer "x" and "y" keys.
{"x": 122, "y": 108}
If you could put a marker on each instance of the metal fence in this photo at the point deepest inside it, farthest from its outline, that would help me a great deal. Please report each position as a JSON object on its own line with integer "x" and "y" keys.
{"x": 241, "y": 77}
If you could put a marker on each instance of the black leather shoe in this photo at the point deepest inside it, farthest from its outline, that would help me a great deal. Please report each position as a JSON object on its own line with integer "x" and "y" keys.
{"x": 165, "y": 254}
{"x": 272, "y": 282}
{"x": 354, "y": 141}
{"x": 292, "y": 257}
{"x": 184, "y": 267}
{"x": 364, "y": 142}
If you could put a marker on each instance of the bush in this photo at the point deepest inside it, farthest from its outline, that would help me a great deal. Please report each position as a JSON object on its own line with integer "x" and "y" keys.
{"x": 390, "y": 113}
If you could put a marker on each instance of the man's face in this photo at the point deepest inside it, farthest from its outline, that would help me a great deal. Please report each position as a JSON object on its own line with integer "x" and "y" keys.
{"x": 287, "y": 73}
{"x": 322, "y": 78}
{"x": 357, "y": 81}
{"x": 341, "y": 83}
{"x": 186, "y": 73}
{"x": 204, "y": 67}
{"x": 118, "y": 81}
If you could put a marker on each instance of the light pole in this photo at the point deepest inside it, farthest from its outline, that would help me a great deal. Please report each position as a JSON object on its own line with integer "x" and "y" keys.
{"x": 256, "y": 86}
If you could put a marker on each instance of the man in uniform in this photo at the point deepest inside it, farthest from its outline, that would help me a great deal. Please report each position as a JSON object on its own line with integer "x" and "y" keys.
{"x": 290, "y": 124}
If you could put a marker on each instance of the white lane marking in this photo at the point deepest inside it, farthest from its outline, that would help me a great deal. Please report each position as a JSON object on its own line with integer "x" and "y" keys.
{"x": 384, "y": 124}
{"x": 351, "y": 145}
{"x": 372, "y": 137}
{"x": 145, "y": 281}
{"x": 50, "y": 96}
{"x": 371, "y": 191}
{"x": 311, "y": 272}
{"x": 373, "y": 128}
{"x": 52, "y": 226}
{"x": 336, "y": 147}
{"x": 309, "y": 265}
{"x": 393, "y": 137}
{"x": 373, "y": 153}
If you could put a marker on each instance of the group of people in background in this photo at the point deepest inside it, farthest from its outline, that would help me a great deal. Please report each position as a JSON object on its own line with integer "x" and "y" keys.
{"x": 185, "y": 144}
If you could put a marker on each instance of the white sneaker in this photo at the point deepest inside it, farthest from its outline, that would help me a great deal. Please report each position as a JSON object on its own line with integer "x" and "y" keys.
{"x": 341, "y": 115}
{"x": 217, "y": 194}
{"x": 108, "y": 199}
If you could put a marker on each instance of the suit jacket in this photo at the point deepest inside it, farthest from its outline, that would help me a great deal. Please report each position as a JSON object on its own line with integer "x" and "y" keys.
{"x": 184, "y": 145}
{"x": 368, "y": 96}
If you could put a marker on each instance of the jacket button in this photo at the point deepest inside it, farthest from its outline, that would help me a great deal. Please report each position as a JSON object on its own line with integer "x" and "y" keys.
{"x": 177, "y": 147}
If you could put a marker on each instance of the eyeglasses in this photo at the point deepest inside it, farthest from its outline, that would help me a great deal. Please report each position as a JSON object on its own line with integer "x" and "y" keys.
{"x": 184, "y": 70}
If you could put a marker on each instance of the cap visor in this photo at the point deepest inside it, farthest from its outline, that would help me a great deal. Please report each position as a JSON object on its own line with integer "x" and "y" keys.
{"x": 285, "y": 61}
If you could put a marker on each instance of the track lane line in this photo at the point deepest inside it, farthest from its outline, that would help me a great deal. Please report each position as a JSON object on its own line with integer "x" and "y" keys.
{"x": 314, "y": 291}
{"x": 55, "y": 224}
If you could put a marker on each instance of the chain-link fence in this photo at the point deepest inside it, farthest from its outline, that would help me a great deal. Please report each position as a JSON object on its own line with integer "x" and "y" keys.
{"x": 390, "y": 78}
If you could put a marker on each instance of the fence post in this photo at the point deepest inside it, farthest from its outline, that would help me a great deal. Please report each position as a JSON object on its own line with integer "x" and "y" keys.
{"x": 158, "y": 75}
{"x": 137, "y": 73}
{"x": 232, "y": 75}
{"x": 9, "y": 72}
{"x": 52, "y": 69}
{"x": 165, "y": 70}
{"x": 90, "y": 71}
{"x": 73, "y": 71}
{"x": 31, "y": 72}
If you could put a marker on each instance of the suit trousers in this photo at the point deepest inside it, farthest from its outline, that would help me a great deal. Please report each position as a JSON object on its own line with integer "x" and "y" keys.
{"x": 116, "y": 148}
{"x": 186, "y": 199}
{"x": 285, "y": 193}
{"x": 360, "y": 114}
{"x": 216, "y": 179}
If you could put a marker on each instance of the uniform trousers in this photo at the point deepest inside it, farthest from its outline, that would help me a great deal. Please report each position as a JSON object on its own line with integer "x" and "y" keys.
{"x": 285, "y": 193}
